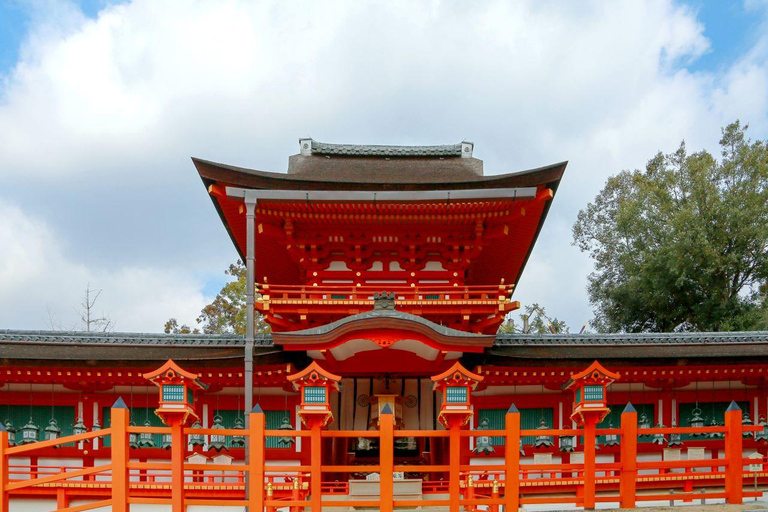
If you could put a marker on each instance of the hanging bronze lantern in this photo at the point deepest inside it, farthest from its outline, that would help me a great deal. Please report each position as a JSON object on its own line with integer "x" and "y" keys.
{"x": 644, "y": 423}
{"x": 714, "y": 435}
{"x": 79, "y": 427}
{"x": 611, "y": 439}
{"x": 696, "y": 420}
{"x": 146, "y": 439}
{"x": 11, "y": 432}
{"x": 286, "y": 427}
{"x": 133, "y": 438}
{"x": 217, "y": 442}
{"x": 483, "y": 443}
{"x": 238, "y": 441}
{"x": 566, "y": 444}
{"x": 675, "y": 439}
{"x": 167, "y": 442}
{"x": 29, "y": 432}
{"x": 746, "y": 421}
{"x": 196, "y": 439}
{"x": 52, "y": 431}
{"x": 543, "y": 440}
{"x": 659, "y": 438}
{"x": 522, "y": 450}
{"x": 762, "y": 435}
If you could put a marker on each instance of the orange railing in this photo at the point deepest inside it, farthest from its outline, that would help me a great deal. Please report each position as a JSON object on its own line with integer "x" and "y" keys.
{"x": 448, "y": 481}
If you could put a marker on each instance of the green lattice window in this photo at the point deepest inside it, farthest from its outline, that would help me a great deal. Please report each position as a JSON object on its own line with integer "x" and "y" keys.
{"x": 314, "y": 395}
{"x": 190, "y": 396}
{"x": 456, "y": 395}
{"x": 578, "y": 395}
{"x": 593, "y": 393}
{"x": 529, "y": 419}
{"x": 338, "y": 297}
{"x": 173, "y": 393}
{"x": 432, "y": 297}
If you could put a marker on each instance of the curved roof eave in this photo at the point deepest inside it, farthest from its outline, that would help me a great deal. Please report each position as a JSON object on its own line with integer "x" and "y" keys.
{"x": 211, "y": 172}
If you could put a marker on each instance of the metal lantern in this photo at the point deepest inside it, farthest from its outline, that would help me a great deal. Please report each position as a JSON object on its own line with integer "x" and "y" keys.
{"x": 217, "y": 442}
{"x": 746, "y": 421}
{"x": 543, "y": 440}
{"x": 674, "y": 438}
{"x": 483, "y": 442}
{"x": 79, "y": 427}
{"x": 761, "y": 435}
{"x": 11, "y": 432}
{"x": 133, "y": 439}
{"x": 611, "y": 439}
{"x": 696, "y": 421}
{"x": 52, "y": 431}
{"x": 96, "y": 426}
{"x": 29, "y": 432}
{"x": 146, "y": 439}
{"x": 644, "y": 423}
{"x": 238, "y": 441}
{"x": 659, "y": 438}
{"x": 522, "y": 450}
{"x": 566, "y": 444}
{"x": 714, "y": 435}
{"x": 167, "y": 441}
{"x": 196, "y": 439}
{"x": 286, "y": 427}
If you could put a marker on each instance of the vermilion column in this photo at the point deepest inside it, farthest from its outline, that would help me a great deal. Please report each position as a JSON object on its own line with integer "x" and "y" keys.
{"x": 120, "y": 455}
{"x": 512, "y": 460}
{"x": 733, "y": 453}
{"x": 590, "y": 423}
{"x": 4, "y": 506}
{"x": 386, "y": 459}
{"x": 628, "y": 456}
{"x": 256, "y": 463}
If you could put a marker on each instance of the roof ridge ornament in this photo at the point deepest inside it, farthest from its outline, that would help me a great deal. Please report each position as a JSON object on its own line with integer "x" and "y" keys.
{"x": 309, "y": 147}
{"x": 384, "y": 301}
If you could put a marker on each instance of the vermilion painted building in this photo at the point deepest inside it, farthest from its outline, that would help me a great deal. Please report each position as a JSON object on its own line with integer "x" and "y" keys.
{"x": 384, "y": 266}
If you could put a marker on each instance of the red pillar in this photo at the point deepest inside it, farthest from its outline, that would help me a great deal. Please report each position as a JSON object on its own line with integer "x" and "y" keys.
{"x": 177, "y": 467}
{"x": 386, "y": 459}
{"x": 628, "y": 456}
{"x": 120, "y": 456}
{"x": 4, "y": 506}
{"x": 256, "y": 427}
{"x": 590, "y": 422}
{"x": 454, "y": 474}
{"x": 733, "y": 453}
{"x": 512, "y": 460}
{"x": 316, "y": 472}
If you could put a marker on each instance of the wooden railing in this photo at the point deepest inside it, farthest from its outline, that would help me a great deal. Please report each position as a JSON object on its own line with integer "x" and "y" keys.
{"x": 451, "y": 483}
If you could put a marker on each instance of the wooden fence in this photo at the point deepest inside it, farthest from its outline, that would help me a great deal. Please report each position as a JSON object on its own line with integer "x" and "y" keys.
{"x": 506, "y": 485}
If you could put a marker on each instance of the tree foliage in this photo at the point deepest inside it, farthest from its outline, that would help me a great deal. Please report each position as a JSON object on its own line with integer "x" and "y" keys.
{"x": 226, "y": 314}
{"x": 682, "y": 245}
{"x": 534, "y": 320}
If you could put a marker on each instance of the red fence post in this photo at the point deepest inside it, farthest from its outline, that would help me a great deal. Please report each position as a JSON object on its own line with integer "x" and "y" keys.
{"x": 628, "y": 457}
{"x": 4, "y": 462}
{"x": 256, "y": 427}
{"x": 316, "y": 469}
{"x": 733, "y": 454}
{"x": 386, "y": 459}
{"x": 454, "y": 472}
{"x": 512, "y": 460}
{"x": 119, "y": 415}
{"x": 590, "y": 422}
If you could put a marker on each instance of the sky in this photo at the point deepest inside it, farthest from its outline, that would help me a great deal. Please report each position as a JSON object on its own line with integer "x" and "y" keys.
{"x": 103, "y": 103}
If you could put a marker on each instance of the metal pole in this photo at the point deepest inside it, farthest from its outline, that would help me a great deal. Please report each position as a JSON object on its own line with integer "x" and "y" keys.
{"x": 250, "y": 259}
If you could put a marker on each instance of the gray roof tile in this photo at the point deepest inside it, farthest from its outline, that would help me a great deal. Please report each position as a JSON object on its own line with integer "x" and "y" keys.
{"x": 322, "y": 148}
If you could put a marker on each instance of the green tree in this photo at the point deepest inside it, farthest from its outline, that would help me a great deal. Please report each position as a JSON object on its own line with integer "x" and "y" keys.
{"x": 533, "y": 320}
{"x": 682, "y": 245}
{"x": 226, "y": 314}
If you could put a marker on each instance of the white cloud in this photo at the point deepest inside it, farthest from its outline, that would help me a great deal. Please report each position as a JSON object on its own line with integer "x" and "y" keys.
{"x": 115, "y": 106}
{"x": 41, "y": 286}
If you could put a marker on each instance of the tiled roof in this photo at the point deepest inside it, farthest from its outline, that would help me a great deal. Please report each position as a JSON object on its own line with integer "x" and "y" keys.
{"x": 633, "y": 339}
{"x": 9, "y": 336}
{"x": 322, "y": 148}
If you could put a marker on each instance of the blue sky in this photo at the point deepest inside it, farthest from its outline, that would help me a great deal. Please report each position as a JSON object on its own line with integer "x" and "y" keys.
{"x": 102, "y": 104}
